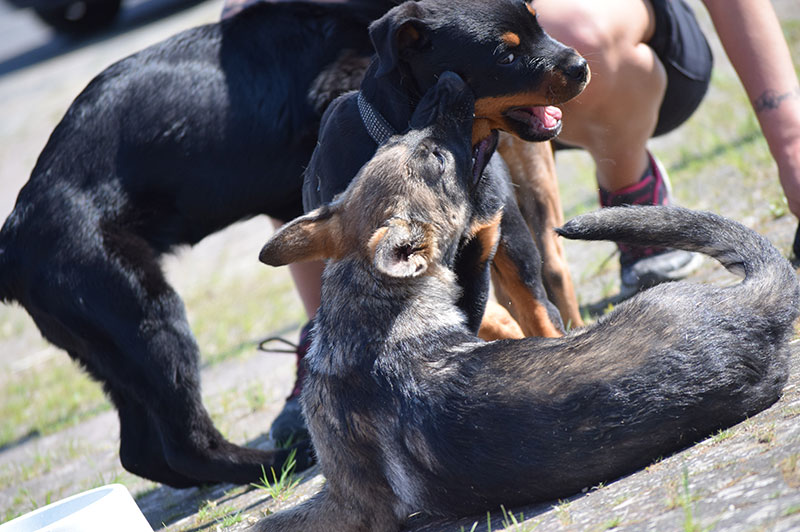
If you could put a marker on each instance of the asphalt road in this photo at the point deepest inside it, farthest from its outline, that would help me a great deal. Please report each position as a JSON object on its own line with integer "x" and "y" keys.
{"x": 25, "y": 40}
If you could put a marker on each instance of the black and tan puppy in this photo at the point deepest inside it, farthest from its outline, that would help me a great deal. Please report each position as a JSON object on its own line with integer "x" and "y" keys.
{"x": 410, "y": 412}
{"x": 163, "y": 148}
{"x": 517, "y": 72}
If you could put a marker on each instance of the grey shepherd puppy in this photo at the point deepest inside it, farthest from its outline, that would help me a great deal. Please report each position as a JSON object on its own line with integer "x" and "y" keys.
{"x": 410, "y": 412}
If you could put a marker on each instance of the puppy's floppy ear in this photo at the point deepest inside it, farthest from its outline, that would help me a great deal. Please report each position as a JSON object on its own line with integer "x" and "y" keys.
{"x": 398, "y": 31}
{"x": 402, "y": 248}
{"x": 317, "y": 235}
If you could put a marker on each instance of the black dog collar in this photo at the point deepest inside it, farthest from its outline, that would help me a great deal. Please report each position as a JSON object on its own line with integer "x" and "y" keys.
{"x": 378, "y": 128}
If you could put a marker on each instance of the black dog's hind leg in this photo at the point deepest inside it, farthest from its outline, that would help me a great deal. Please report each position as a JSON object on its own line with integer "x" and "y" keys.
{"x": 106, "y": 301}
{"x": 140, "y": 450}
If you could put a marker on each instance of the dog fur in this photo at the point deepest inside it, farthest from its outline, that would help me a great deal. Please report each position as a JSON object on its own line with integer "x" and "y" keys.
{"x": 516, "y": 70}
{"x": 211, "y": 126}
{"x": 410, "y": 412}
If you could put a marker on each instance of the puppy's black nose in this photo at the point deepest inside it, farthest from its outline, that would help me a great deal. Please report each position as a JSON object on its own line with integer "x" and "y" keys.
{"x": 577, "y": 70}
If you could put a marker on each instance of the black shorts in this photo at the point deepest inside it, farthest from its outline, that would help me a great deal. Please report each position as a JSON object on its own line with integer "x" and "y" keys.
{"x": 682, "y": 48}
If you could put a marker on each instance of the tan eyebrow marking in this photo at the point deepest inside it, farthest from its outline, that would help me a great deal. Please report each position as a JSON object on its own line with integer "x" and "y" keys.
{"x": 510, "y": 38}
{"x": 530, "y": 8}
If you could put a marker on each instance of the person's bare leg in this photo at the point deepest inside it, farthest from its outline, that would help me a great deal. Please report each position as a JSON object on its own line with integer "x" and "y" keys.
{"x": 616, "y": 115}
{"x": 289, "y": 425}
{"x": 307, "y": 277}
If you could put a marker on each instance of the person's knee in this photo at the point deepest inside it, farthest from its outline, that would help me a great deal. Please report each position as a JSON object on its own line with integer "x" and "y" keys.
{"x": 576, "y": 25}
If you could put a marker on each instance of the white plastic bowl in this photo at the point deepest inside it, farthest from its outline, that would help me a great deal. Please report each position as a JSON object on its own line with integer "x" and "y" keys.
{"x": 102, "y": 509}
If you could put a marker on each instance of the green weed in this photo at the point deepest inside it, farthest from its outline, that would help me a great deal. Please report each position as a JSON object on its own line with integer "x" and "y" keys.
{"x": 685, "y": 499}
{"x": 474, "y": 527}
{"x": 518, "y": 524}
{"x": 790, "y": 471}
{"x": 562, "y": 512}
{"x": 223, "y": 516}
{"x": 619, "y": 500}
{"x": 614, "y": 522}
{"x": 766, "y": 434}
{"x": 230, "y": 520}
{"x": 791, "y": 510}
{"x": 722, "y": 435}
{"x": 280, "y": 487}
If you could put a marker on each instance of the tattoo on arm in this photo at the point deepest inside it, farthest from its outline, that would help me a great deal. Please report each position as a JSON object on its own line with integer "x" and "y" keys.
{"x": 771, "y": 99}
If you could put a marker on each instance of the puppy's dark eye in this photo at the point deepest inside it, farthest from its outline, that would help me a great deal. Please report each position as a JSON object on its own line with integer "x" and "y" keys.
{"x": 441, "y": 158}
{"x": 507, "y": 59}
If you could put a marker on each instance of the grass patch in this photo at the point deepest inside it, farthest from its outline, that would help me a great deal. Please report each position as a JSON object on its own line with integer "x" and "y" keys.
{"x": 789, "y": 412}
{"x": 282, "y": 486}
{"x": 229, "y": 315}
{"x": 509, "y": 522}
{"x": 614, "y": 522}
{"x": 223, "y": 516}
{"x": 15, "y": 473}
{"x": 681, "y": 496}
{"x": 24, "y": 502}
{"x": 739, "y": 148}
{"x": 562, "y": 512}
{"x": 47, "y": 398}
{"x": 791, "y": 510}
{"x": 722, "y": 435}
{"x": 766, "y": 435}
{"x": 517, "y": 524}
{"x": 579, "y": 191}
{"x": 790, "y": 471}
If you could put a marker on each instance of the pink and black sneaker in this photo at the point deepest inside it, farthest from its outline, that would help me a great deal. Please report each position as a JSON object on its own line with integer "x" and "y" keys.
{"x": 290, "y": 425}
{"x": 643, "y": 267}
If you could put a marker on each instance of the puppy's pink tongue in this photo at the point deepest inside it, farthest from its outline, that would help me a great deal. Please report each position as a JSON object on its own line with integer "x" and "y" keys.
{"x": 548, "y": 115}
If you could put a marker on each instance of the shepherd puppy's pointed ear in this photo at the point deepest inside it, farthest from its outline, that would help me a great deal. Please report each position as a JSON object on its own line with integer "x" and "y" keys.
{"x": 398, "y": 31}
{"x": 315, "y": 236}
{"x": 401, "y": 248}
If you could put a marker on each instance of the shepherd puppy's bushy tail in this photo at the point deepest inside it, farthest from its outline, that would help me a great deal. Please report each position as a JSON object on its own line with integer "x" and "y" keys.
{"x": 770, "y": 282}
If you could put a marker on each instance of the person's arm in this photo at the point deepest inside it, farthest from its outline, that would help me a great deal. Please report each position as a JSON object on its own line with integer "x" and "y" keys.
{"x": 752, "y": 37}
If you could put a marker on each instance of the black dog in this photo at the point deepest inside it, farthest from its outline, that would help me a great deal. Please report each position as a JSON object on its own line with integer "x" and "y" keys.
{"x": 410, "y": 412}
{"x": 161, "y": 149}
{"x": 516, "y": 71}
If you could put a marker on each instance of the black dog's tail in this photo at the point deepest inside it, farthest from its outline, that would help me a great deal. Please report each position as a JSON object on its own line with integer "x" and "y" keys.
{"x": 769, "y": 278}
